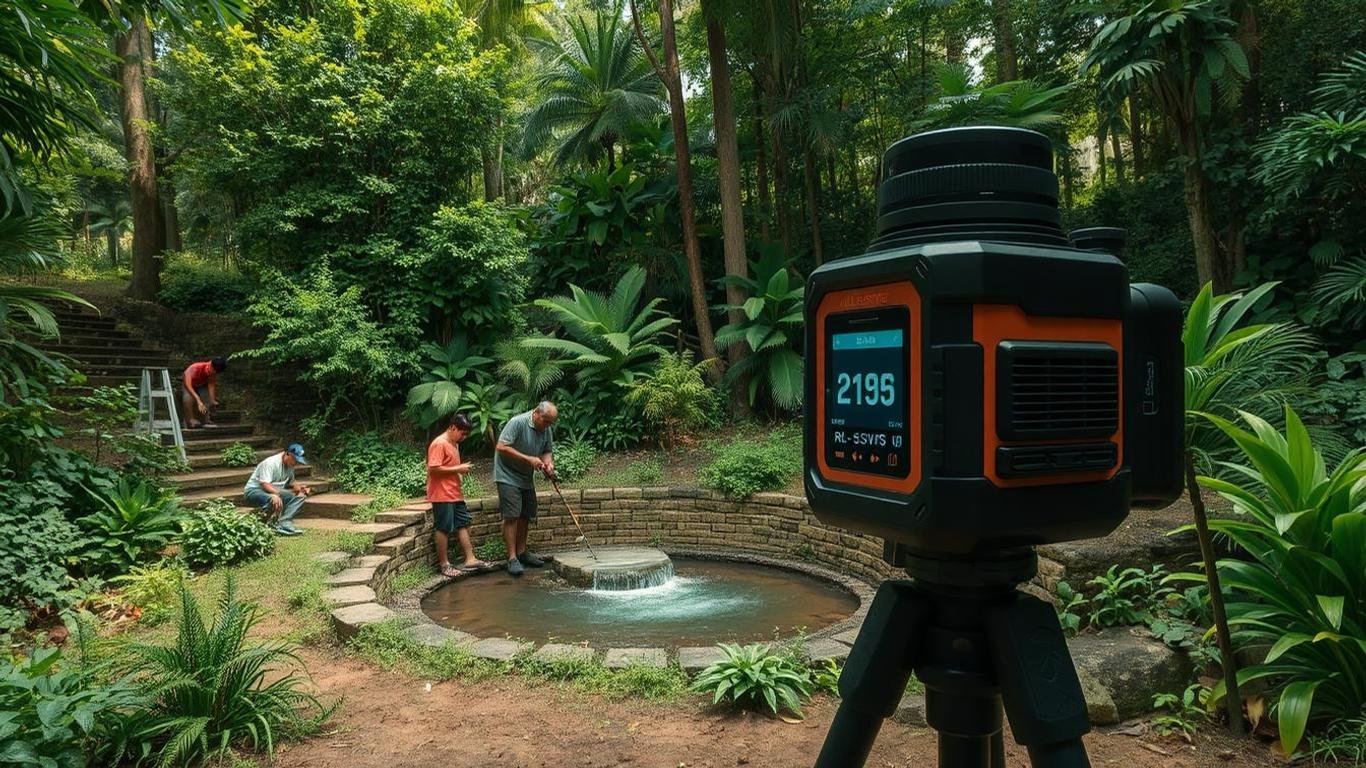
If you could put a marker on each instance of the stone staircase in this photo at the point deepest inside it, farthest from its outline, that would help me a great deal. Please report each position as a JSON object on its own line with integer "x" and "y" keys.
{"x": 110, "y": 355}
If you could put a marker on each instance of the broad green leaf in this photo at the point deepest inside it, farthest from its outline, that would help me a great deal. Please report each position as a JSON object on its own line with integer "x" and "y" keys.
{"x": 1292, "y": 713}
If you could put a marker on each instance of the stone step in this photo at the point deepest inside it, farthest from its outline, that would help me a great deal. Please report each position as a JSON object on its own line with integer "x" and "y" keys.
{"x": 403, "y": 516}
{"x": 226, "y": 477}
{"x": 233, "y": 493}
{"x": 94, "y": 354}
{"x": 213, "y": 460}
{"x": 209, "y": 434}
{"x": 329, "y": 525}
{"x": 341, "y": 597}
{"x": 67, "y": 320}
{"x": 121, "y": 365}
{"x": 109, "y": 340}
{"x": 334, "y": 505}
{"x": 216, "y": 444}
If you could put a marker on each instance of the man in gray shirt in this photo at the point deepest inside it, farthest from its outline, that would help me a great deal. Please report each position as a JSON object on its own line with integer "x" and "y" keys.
{"x": 525, "y": 446}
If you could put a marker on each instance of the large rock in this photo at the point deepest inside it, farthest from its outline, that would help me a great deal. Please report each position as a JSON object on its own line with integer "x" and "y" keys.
{"x": 1100, "y": 705}
{"x": 1132, "y": 668}
{"x": 911, "y": 710}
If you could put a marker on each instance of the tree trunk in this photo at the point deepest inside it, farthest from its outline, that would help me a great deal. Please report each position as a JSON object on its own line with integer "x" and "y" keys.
{"x": 1233, "y": 701}
{"x": 780, "y": 191}
{"x": 148, "y": 231}
{"x": 111, "y": 237}
{"x": 171, "y": 216}
{"x": 953, "y": 47}
{"x": 1136, "y": 134}
{"x": 728, "y": 177}
{"x": 1118, "y": 151}
{"x": 761, "y": 171}
{"x": 1210, "y": 266}
{"x": 673, "y": 83}
{"x": 492, "y": 159}
{"x": 1100, "y": 158}
{"x": 812, "y": 184}
{"x": 1006, "y": 66}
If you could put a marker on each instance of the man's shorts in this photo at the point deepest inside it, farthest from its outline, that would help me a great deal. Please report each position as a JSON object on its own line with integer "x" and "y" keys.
{"x": 516, "y": 502}
{"x": 450, "y": 515}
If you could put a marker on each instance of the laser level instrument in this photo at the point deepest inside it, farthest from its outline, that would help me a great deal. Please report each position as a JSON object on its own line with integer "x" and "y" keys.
{"x": 977, "y": 383}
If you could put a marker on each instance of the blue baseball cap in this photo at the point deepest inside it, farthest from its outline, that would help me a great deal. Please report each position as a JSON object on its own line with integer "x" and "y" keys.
{"x": 298, "y": 452}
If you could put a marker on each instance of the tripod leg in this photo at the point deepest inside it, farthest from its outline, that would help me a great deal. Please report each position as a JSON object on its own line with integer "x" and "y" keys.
{"x": 875, "y": 674}
{"x": 1039, "y": 685}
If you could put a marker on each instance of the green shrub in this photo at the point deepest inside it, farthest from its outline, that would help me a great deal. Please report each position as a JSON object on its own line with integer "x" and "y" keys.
{"x": 674, "y": 397}
{"x": 1126, "y": 597}
{"x": 195, "y": 286}
{"x": 217, "y": 535}
{"x": 35, "y": 550}
{"x": 238, "y": 455}
{"x": 573, "y": 460}
{"x": 54, "y": 715}
{"x": 205, "y": 692}
{"x": 1301, "y": 593}
{"x": 755, "y": 675}
{"x": 746, "y": 466}
{"x": 353, "y": 543}
{"x": 366, "y": 463}
{"x": 1070, "y": 603}
{"x": 153, "y": 589}
{"x": 647, "y": 471}
{"x": 137, "y": 521}
{"x": 1181, "y": 714}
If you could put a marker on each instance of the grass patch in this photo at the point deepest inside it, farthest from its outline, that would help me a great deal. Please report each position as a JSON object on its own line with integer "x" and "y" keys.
{"x": 492, "y": 549}
{"x": 411, "y": 578}
{"x": 352, "y": 543}
{"x": 590, "y": 676}
{"x": 386, "y": 644}
{"x": 381, "y": 500}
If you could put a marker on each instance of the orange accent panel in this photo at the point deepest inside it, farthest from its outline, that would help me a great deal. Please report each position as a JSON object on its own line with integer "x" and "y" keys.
{"x": 899, "y": 294}
{"x": 994, "y": 323}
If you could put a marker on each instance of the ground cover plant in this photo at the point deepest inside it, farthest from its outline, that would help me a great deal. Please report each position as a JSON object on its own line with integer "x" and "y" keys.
{"x": 746, "y": 466}
{"x": 137, "y": 521}
{"x": 238, "y": 454}
{"x": 757, "y": 676}
{"x": 56, "y": 713}
{"x": 217, "y": 535}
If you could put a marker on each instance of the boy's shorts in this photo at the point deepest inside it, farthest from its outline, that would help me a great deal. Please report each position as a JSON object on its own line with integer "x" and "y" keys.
{"x": 450, "y": 515}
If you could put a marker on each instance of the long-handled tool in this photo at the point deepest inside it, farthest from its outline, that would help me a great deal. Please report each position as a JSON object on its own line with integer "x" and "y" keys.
{"x": 555, "y": 483}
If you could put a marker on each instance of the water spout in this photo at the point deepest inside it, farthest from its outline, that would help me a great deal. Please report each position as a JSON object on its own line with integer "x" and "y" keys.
{"x": 624, "y": 579}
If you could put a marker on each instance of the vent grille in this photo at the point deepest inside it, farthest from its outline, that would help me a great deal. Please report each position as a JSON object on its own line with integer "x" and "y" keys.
{"x": 1054, "y": 390}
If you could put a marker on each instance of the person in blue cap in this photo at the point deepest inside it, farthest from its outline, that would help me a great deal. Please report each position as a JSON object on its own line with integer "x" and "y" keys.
{"x": 273, "y": 489}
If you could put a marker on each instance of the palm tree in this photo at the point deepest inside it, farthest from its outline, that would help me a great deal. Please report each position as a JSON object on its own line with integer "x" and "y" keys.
{"x": 1183, "y": 52}
{"x": 597, "y": 85}
{"x": 111, "y": 218}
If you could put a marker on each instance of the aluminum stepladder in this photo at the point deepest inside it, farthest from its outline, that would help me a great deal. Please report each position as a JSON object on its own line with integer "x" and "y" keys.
{"x": 147, "y": 409}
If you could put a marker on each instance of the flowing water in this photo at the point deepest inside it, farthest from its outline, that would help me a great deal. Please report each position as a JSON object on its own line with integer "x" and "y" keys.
{"x": 705, "y": 602}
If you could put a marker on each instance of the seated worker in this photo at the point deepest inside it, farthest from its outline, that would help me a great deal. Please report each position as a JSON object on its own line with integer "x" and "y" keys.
{"x": 199, "y": 391}
{"x": 449, "y": 513}
{"x": 525, "y": 446}
{"x": 273, "y": 490}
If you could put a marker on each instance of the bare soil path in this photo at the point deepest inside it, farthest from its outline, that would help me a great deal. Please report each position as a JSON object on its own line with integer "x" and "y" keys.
{"x": 388, "y": 720}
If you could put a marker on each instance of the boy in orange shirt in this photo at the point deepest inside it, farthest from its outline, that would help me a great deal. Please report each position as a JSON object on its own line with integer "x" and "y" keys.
{"x": 449, "y": 513}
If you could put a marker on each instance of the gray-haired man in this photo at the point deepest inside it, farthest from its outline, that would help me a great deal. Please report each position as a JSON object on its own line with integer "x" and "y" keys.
{"x": 525, "y": 446}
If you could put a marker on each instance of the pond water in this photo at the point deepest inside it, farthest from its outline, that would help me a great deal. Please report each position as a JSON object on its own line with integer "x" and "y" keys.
{"x": 706, "y": 602}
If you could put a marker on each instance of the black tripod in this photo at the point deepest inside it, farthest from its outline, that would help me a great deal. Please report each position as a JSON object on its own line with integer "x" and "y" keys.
{"x": 975, "y": 642}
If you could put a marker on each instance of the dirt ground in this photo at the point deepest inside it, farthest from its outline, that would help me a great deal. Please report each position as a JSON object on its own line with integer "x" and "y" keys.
{"x": 388, "y": 720}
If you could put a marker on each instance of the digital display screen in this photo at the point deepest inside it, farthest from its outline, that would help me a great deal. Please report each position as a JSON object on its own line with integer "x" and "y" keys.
{"x": 866, "y": 391}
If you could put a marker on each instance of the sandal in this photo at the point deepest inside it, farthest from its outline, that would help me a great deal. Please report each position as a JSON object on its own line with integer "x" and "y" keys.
{"x": 473, "y": 567}
{"x": 451, "y": 573}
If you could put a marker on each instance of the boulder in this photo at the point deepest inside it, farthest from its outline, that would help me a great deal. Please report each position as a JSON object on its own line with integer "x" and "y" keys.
{"x": 1131, "y": 667}
{"x": 1100, "y": 705}
{"x": 911, "y": 710}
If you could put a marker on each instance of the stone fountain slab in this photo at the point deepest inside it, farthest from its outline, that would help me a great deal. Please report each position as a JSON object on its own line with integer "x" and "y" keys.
{"x": 553, "y": 652}
{"x": 613, "y": 567}
{"x": 697, "y": 658}
{"x": 620, "y": 658}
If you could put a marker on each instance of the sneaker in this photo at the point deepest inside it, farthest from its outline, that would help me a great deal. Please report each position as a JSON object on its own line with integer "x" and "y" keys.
{"x": 530, "y": 560}
{"x": 515, "y": 567}
{"x": 293, "y": 529}
{"x": 281, "y": 530}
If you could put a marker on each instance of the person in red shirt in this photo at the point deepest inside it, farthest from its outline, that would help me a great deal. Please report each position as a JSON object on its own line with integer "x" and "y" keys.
{"x": 449, "y": 512}
{"x": 199, "y": 391}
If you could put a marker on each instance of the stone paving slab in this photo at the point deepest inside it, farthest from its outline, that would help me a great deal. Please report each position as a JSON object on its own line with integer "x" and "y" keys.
{"x": 620, "y": 658}
{"x": 355, "y": 594}
{"x": 697, "y": 658}
{"x": 351, "y": 618}
{"x": 371, "y": 561}
{"x": 436, "y": 636}
{"x": 333, "y": 558}
{"x": 498, "y": 648}
{"x": 562, "y": 652}
{"x": 350, "y": 576}
{"x": 847, "y": 637}
{"x": 820, "y": 650}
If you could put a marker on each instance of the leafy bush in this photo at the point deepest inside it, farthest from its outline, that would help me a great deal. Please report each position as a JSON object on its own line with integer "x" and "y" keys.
{"x": 1183, "y": 712}
{"x": 647, "y": 471}
{"x": 745, "y": 467}
{"x": 205, "y": 692}
{"x": 674, "y": 397}
{"x": 218, "y": 535}
{"x": 353, "y": 543}
{"x": 153, "y": 589}
{"x": 573, "y": 460}
{"x": 755, "y": 675}
{"x": 54, "y": 716}
{"x": 449, "y": 368}
{"x": 1302, "y": 594}
{"x": 771, "y": 327}
{"x": 1070, "y": 602}
{"x": 1126, "y": 597}
{"x": 238, "y": 455}
{"x": 138, "y": 520}
{"x": 367, "y": 462}
{"x": 35, "y": 551}
{"x": 197, "y": 286}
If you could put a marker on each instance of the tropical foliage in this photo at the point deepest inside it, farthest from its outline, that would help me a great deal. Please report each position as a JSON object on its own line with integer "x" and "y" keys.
{"x": 771, "y": 330}
{"x": 756, "y": 676}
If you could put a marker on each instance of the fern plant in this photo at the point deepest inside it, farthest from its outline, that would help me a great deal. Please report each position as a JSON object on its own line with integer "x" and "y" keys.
{"x": 755, "y": 675}
{"x": 206, "y": 693}
{"x": 675, "y": 397}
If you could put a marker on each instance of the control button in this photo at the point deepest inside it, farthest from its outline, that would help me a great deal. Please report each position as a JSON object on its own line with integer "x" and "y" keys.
{"x": 839, "y": 454}
{"x": 858, "y": 456}
{"x": 874, "y": 458}
{"x": 893, "y": 459}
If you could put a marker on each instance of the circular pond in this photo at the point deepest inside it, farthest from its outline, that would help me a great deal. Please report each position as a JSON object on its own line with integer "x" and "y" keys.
{"x": 706, "y": 602}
